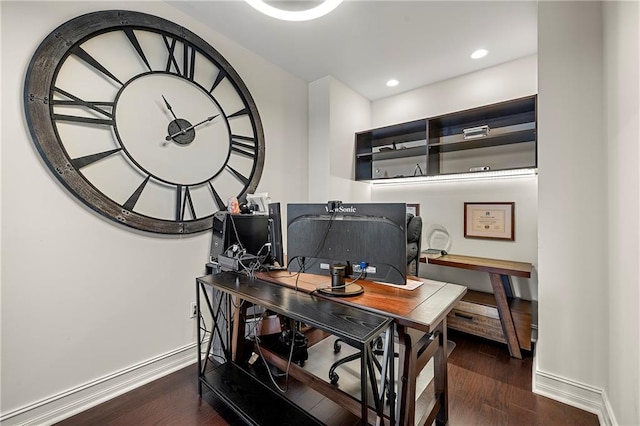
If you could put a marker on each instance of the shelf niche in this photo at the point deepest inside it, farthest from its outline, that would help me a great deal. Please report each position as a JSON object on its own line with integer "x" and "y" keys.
{"x": 501, "y": 136}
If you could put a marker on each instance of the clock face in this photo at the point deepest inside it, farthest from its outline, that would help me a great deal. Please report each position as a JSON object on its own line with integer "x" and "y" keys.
{"x": 143, "y": 121}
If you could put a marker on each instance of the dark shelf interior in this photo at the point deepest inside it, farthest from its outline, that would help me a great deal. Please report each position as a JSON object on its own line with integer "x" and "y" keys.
{"x": 395, "y": 153}
{"x": 404, "y": 132}
{"x": 505, "y": 139}
{"x": 508, "y": 113}
{"x": 509, "y": 122}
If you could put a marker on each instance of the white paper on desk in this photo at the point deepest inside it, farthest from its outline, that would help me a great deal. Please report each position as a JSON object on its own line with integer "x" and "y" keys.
{"x": 410, "y": 285}
{"x": 434, "y": 282}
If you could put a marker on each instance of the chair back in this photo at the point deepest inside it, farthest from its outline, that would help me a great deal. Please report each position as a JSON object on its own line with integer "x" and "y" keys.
{"x": 414, "y": 237}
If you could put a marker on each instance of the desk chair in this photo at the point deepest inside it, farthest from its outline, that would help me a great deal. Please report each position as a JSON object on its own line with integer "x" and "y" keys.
{"x": 414, "y": 238}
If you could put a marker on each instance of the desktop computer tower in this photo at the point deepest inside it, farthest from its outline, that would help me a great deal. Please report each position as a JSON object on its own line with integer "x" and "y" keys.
{"x": 218, "y": 235}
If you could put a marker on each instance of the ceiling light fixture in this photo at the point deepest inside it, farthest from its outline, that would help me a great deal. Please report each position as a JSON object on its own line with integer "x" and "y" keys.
{"x": 392, "y": 83}
{"x": 480, "y": 53}
{"x": 295, "y": 15}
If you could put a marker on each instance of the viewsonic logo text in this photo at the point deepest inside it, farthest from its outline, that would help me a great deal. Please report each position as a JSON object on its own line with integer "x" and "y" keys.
{"x": 340, "y": 209}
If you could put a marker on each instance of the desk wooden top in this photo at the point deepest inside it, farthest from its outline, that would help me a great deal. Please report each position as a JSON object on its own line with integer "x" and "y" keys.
{"x": 423, "y": 308}
{"x": 496, "y": 266}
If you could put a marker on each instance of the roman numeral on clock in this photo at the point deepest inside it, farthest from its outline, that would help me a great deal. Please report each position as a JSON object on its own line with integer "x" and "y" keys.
{"x": 243, "y": 145}
{"x": 81, "y": 162}
{"x": 102, "y": 108}
{"x": 184, "y": 201}
{"x": 88, "y": 59}
{"x": 185, "y": 67}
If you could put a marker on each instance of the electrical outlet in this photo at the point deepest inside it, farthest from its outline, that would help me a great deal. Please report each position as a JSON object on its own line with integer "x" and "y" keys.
{"x": 194, "y": 310}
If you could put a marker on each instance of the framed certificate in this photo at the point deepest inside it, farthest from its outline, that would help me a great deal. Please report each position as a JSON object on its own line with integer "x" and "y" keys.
{"x": 493, "y": 221}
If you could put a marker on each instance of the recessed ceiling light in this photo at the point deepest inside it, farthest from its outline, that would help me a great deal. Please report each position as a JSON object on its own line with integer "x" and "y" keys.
{"x": 392, "y": 83}
{"x": 295, "y": 15}
{"x": 480, "y": 53}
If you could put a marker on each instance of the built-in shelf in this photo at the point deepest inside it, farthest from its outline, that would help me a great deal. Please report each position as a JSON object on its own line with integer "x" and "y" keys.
{"x": 496, "y": 137}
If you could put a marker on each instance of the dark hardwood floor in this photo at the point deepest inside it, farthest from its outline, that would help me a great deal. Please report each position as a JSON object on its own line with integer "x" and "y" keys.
{"x": 486, "y": 387}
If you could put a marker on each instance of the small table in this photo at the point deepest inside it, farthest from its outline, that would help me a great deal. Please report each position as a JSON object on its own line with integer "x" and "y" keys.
{"x": 500, "y": 273}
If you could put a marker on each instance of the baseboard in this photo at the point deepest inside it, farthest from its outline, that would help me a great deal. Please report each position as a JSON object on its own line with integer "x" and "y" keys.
{"x": 575, "y": 394}
{"x": 65, "y": 404}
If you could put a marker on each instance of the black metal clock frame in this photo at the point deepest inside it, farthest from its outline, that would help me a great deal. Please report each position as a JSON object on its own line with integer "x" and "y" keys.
{"x": 41, "y": 119}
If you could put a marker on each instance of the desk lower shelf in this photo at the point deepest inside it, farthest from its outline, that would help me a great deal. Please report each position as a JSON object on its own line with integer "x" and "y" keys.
{"x": 250, "y": 398}
{"x": 477, "y": 314}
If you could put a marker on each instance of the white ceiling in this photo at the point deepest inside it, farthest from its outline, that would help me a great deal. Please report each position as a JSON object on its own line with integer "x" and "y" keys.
{"x": 365, "y": 43}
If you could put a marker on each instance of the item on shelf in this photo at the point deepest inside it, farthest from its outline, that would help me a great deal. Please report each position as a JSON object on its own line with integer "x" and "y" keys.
{"x": 476, "y": 132}
{"x": 438, "y": 238}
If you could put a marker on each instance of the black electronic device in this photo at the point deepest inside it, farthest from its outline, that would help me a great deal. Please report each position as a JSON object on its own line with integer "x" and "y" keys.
{"x": 275, "y": 234}
{"x": 218, "y": 244}
{"x": 249, "y": 231}
{"x": 370, "y": 239}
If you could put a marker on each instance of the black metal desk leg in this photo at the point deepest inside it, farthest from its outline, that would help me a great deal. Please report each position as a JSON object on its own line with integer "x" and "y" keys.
{"x": 199, "y": 338}
{"x": 440, "y": 375}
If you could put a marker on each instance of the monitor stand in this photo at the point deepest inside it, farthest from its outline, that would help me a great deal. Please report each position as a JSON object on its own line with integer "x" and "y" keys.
{"x": 346, "y": 291}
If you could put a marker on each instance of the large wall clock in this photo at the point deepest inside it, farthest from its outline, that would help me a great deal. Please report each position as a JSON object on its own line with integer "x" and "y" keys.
{"x": 143, "y": 121}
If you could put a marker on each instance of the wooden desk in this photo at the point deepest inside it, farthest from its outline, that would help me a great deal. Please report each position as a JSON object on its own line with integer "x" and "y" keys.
{"x": 500, "y": 273}
{"x": 420, "y": 316}
{"x": 255, "y": 402}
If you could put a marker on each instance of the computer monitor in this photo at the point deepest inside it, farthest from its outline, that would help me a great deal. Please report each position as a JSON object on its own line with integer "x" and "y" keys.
{"x": 275, "y": 234}
{"x": 250, "y": 231}
{"x": 370, "y": 239}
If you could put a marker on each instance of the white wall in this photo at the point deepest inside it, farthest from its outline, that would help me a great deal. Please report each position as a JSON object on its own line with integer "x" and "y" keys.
{"x": 622, "y": 132}
{"x": 84, "y": 299}
{"x": 510, "y": 80}
{"x": 572, "y": 201}
{"x": 585, "y": 202}
{"x": 336, "y": 112}
{"x": 442, "y": 204}
{"x": 572, "y": 197}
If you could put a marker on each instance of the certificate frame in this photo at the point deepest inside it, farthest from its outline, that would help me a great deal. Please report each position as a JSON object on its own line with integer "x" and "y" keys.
{"x": 489, "y": 220}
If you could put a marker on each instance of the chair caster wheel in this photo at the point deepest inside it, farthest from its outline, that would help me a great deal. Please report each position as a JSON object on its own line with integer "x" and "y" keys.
{"x": 333, "y": 377}
{"x": 336, "y": 347}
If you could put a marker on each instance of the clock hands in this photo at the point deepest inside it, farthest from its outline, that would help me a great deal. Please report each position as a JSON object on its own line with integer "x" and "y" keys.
{"x": 180, "y": 130}
{"x": 171, "y": 111}
{"x": 183, "y": 135}
{"x": 193, "y": 126}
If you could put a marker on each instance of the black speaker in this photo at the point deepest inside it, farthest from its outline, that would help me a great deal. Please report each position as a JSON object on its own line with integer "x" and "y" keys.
{"x": 218, "y": 234}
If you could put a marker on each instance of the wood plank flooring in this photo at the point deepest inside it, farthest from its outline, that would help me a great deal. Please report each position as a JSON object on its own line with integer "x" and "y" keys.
{"x": 486, "y": 387}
